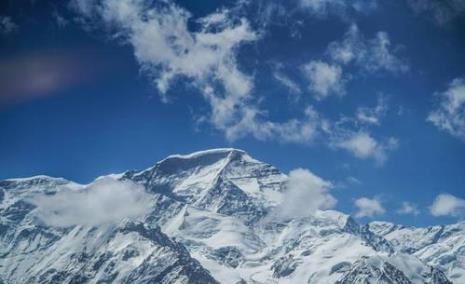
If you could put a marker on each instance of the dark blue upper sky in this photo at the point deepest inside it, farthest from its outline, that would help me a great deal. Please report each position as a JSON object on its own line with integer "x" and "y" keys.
{"x": 368, "y": 95}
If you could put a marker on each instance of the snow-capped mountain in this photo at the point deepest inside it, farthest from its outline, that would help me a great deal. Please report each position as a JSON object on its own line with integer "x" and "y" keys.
{"x": 208, "y": 218}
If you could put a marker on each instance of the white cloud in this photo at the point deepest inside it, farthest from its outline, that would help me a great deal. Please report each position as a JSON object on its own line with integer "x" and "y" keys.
{"x": 353, "y": 180}
{"x": 305, "y": 193}
{"x": 104, "y": 201}
{"x": 362, "y": 145}
{"x": 338, "y": 7}
{"x": 408, "y": 208}
{"x": 60, "y": 21}
{"x": 370, "y": 55}
{"x": 450, "y": 114}
{"x": 347, "y": 50}
{"x": 442, "y": 11}
{"x": 324, "y": 79}
{"x": 352, "y": 134}
{"x": 448, "y": 205}
{"x": 372, "y": 115}
{"x": 302, "y": 131}
{"x": 7, "y": 25}
{"x": 368, "y": 207}
{"x": 321, "y": 6}
{"x": 292, "y": 86}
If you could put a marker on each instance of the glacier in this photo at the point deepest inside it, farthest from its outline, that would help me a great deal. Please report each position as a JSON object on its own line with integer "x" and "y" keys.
{"x": 208, "y": 221}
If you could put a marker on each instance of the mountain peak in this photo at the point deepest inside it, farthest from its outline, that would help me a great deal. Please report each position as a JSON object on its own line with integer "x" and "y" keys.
{"x": 210, "y": 154}
{"x": 207, "y": 152}
{"x": 178, "y": 162}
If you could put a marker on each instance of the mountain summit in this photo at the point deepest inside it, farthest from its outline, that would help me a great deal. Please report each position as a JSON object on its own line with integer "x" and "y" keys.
{"x": 204, "y": 218}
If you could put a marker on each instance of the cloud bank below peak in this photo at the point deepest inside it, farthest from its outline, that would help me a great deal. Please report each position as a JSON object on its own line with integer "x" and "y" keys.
{"x": 305, "y": 194}
{"x": 106, "y": 201}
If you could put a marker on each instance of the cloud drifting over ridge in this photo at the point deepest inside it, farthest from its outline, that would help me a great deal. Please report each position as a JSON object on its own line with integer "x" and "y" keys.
{"x": 305, "y": 193}
{"x": 105, "y": 201}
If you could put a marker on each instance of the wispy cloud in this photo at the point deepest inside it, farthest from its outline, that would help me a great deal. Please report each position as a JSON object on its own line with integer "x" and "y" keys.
{"x": 450, "y": 114}
{"x": 286, "y": 81}
{"x": 353, "y": 134}
{"x": 353, "y": 180}
{"x": 342, "y": 8}
{"x": 372, "y": 115}
{"x": 367, "y": 55}
{"x": 408, "y": 208}
{"x": 7, "y": 26}
{"x": 60, "y": 20}
{"x": 300, "y": 131}
{"x": 324, "y": 79}
{"x": 362, "y": 145}
{"x": 441, "y": 11}
{"x": 370, "y": 55}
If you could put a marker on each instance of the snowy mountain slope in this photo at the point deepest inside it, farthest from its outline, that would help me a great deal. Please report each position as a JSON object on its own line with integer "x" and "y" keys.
{"x": 216, "y": 214}
{"x": 128, "y": 252}
{"x": 398, "y": 268}
{"x": 223, "y": 181}
{"x": 439, "y": 246}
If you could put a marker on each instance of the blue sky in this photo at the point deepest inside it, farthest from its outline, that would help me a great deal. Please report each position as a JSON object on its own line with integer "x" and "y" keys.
{"x": 368, "y": 95}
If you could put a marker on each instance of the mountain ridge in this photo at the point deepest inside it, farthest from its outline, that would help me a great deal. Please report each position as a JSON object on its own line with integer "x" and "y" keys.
{"x": 214, "y": 204}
